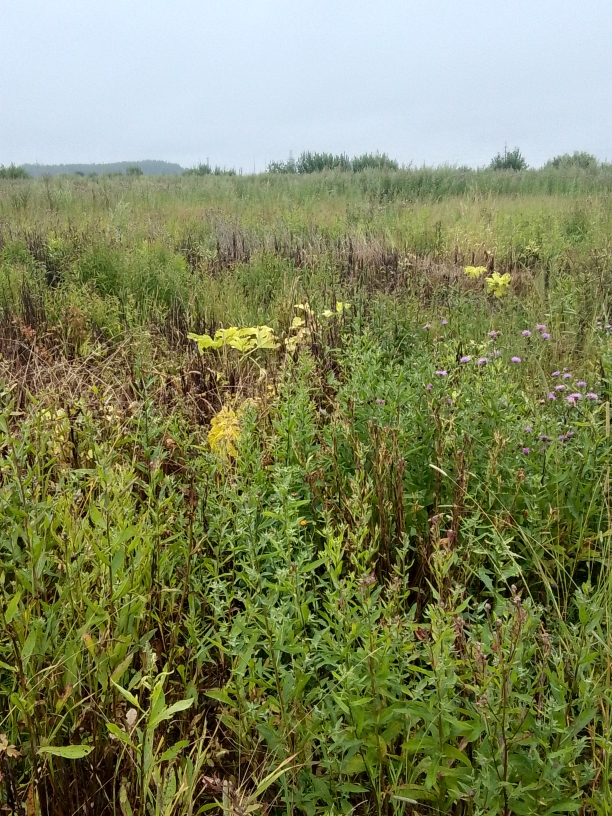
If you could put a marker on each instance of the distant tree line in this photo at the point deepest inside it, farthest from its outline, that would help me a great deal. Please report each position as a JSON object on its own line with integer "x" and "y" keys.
{"x": 308, "y": 162}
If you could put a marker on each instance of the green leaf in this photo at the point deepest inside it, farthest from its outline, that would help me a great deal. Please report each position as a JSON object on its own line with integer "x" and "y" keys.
{"x": 67, "y": 752}
{"x": 12, "y": 606}
{"x": 174, "y": 751}
{"x": 126, "y": 808}
{"x": 120, "y": 734}
{"x": 127, "y": 694}
{"x": 28, "y": 647}
{"x": 169, "y": 711}
{"x": 354, "y": 765}
{"x": 567, "y": 806}
{"x": 97, "y": 518}
{"x": 220, "y": 695}
{"x": 121, "y": 668}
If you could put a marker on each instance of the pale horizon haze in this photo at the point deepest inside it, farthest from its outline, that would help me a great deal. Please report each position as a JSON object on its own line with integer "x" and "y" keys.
{"x": 243, "y": 83}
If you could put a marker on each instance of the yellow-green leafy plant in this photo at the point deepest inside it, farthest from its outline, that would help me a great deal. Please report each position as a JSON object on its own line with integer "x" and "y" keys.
{"x": 498, "y": 285}
{"x": 243, "y": 340}
{"x": 475, "y": 272}
{"x": 340, "y": 308}
{"x": 224, "y": 433}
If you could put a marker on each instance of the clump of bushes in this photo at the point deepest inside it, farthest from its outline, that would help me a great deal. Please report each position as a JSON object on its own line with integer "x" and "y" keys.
{"x": 13, "y": 172}
{"x": 509, "y": 160}
{"x": 312, "y": 162}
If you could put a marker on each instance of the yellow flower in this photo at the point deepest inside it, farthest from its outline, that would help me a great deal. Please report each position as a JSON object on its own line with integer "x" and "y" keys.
{"x": 498, "y": 285}
{"x": 475, "y": 272}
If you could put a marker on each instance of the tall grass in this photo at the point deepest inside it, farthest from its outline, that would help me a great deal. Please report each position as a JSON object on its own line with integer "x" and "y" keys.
{"x": 391, "y": 592}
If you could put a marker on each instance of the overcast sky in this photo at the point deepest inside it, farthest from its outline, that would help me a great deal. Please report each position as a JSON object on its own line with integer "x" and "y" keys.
{"x": 242, "y": 82}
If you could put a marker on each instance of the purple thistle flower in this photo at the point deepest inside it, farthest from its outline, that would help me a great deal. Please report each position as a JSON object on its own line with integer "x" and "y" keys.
{"x": 526, "y": 333}
{"x": 465, "y": 359}
{"x": 444, "y": 322}
{"x": 526, "y": 451}
{"x": 545, "y": 336}
{"x": 559, "y": 388}
{"x": 442, "y": 373}
{"x": 496, "y": 353}
{"x": 380, "y": 401}
{"x": 493, "y": 334}
{"x": 569, "y": 434}
{"x": 516, "y": 359}
{"x": 429, "y": 386}
{"x": 562, "y": 438}
{"x": 449, "y": 401}
{"x": 543, "y": 437}
{"x": 540, "y": 327}
{"x": 555, "y": 374}
{"x": 567, "y": 376}
{"x": 571, "y": 400}
{"x": 528, "y": 429}
{"x": 482, "y": 361}
{"x": 576, "y": 395}
{"x": 581, "y": 384}
{"x": 552, "y": 396}
{"x": 592, "y": 396}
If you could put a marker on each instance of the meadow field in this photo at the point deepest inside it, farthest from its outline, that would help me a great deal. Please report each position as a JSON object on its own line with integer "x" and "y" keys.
{"x": 305, "y": 493}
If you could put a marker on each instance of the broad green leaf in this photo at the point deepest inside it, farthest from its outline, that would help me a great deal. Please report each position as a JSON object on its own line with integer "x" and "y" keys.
{"x": 67, "y": 752}
{"x": 354, "y": 765}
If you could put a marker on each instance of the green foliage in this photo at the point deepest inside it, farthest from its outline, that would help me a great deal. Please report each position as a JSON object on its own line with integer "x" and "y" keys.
{"x": 296, "y": 515}
{"x": 309, "y": 162}
{"x": 509, "y": 160}
{"x": 585, "y": 161}
{"x": 207, "y": 170}
{"x": 13, "y": 172}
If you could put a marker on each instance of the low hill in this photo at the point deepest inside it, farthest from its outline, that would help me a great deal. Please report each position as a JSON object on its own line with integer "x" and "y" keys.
{"x": 149, "y": 168}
